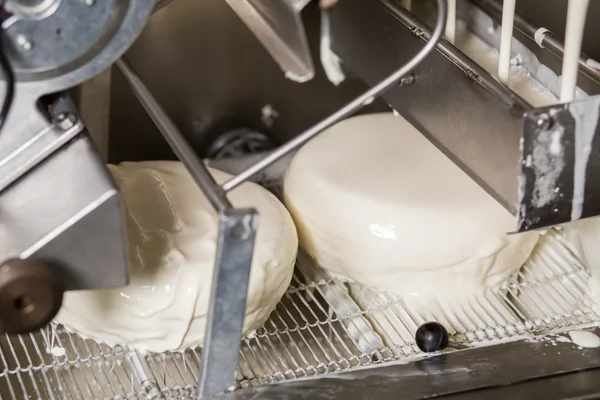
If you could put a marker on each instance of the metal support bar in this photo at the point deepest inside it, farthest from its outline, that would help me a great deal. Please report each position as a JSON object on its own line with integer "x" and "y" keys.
{"x": 220, "y": 354}
{"x": 175, "y": 138}
{"x": 351, "y": 107}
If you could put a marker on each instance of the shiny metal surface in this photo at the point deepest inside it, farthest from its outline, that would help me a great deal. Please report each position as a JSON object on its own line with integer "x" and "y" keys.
{"x": 58, "y": 202}
{"x": 57, "y": 208}
{"x": 559, "y": 164}
{"x": 278, "y": 25}
{"x": 220, "y": 355}
{"x": 28, "y": 135}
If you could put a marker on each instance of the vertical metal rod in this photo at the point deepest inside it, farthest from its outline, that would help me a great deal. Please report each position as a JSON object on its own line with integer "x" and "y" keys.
{"x": 349, "y": 108}
{"x": 175, "y": 138}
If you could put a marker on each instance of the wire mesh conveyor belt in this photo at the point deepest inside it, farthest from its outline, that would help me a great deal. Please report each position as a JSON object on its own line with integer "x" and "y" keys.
{"x": 322, "y": 325}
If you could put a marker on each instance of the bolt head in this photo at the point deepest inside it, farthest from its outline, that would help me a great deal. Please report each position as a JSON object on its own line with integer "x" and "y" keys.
{"x": 240, "y": 231}
{"x": 407, "y": 80}
{"x": 543, "y": 121}
{"x": 66, "y": 121}
{"x": 24, "y": 42}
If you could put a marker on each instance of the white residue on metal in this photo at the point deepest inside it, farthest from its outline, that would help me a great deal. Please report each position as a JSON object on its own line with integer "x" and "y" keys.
{"x": 297, "y": 78}
{"x": 538, "y": 36}
{"x": 330, "y": 61}
{"x": 483, "y": 25}
{"x": 592, "y": 63}
{"x": 396, "y": 113}
{"x": 57, "y": 351}
{"x": 548, "y": 163}
{"x": 585, "y": 115}
{"x": 585, "y": 339}
{"x": 555, "y": 145}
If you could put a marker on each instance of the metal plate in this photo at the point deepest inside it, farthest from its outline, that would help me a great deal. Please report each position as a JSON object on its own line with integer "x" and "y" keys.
{"x": 278, "y": 25}
{"x": 560, "y": 165}
{"x": 54, "y": 211}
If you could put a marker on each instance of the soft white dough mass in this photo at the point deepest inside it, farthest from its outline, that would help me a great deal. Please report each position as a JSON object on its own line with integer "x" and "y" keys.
{"x": 375, "y": 201}
{"x": 172, "y": 231}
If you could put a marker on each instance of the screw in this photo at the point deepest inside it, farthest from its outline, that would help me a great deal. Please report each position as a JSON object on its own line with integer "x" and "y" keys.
{"x": 66, "y": 120}
{"x": 24, "y": 42}
{"x": 543, "y": 121}
{"x": 239, "y": 231}
{"x": 407, "y": 80}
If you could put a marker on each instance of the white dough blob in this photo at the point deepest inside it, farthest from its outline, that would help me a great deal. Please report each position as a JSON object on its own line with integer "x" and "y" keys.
{"x": 585, "y": 339}
{"x": 375, "y": 201}
{"x": 172, "y": 231}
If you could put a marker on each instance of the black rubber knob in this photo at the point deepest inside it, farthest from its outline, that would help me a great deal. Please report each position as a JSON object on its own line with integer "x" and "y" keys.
{"x": 431, "y": 337}
{"x": 30, "y": 295}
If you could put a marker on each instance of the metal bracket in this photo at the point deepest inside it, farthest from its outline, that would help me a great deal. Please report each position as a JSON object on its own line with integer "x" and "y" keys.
{"x": 278, "y": 25}
{"x": 559, "y": 166}
{"x": 237, "y": 232}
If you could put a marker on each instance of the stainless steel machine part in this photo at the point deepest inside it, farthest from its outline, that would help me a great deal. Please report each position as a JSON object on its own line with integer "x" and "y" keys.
{"x": 278, "y": 25}
{"x": 59, "y": 204}
{"x": 559, "y": 164}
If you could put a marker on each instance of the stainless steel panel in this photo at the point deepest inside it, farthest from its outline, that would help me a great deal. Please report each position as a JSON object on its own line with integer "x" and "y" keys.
{"x": 57, "y": 208}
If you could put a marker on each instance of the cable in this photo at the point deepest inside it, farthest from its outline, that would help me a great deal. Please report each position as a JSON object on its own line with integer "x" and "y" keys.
{"x": 10, "y": 85}
{"x": 349, "y": 108}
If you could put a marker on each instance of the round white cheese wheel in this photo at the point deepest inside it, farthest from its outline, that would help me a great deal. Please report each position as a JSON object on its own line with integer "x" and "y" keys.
{"x": 172, "y": 231}
{"x": 375, "y": 201}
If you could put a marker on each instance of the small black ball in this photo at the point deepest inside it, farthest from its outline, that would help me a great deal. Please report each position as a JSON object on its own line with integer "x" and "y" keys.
{"x": 431, "y": 337}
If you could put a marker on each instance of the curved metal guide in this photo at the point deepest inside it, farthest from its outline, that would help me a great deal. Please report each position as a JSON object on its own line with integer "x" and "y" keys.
{"x": 278, "y": 25}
